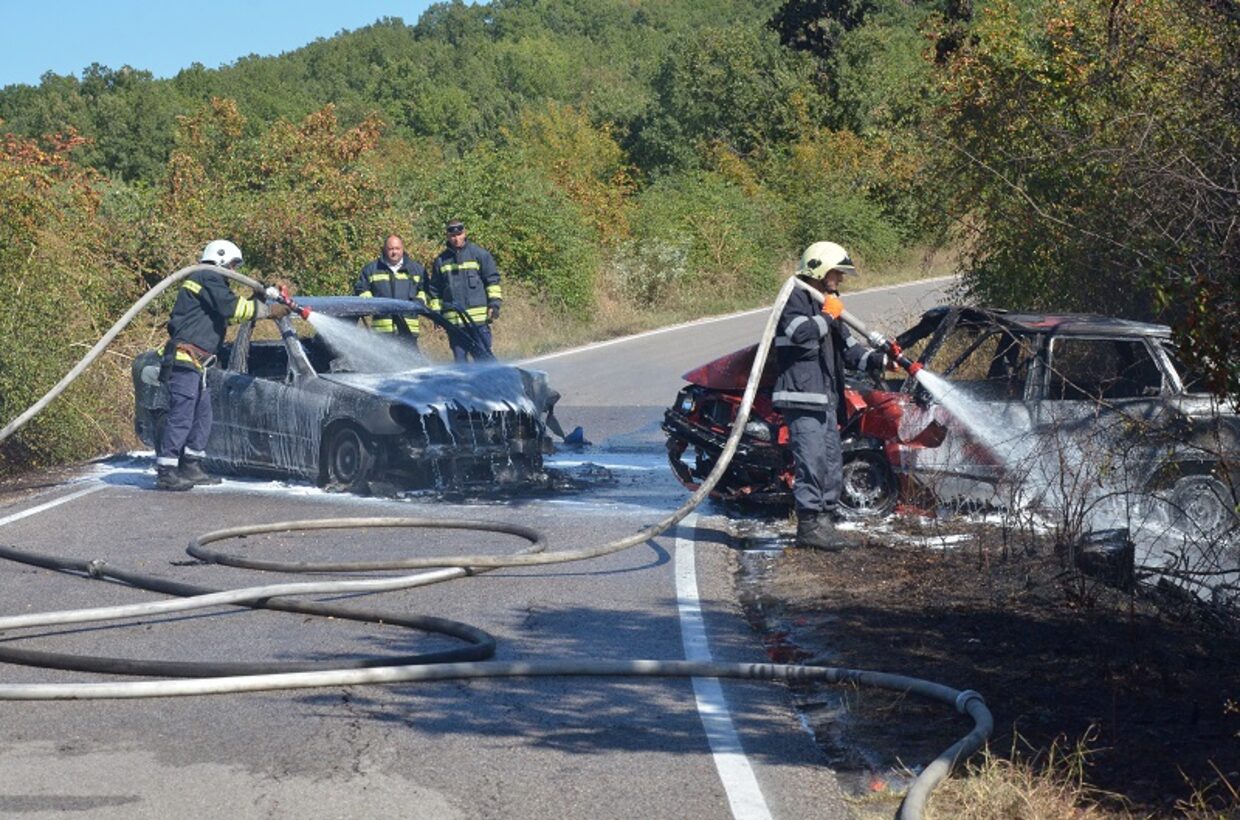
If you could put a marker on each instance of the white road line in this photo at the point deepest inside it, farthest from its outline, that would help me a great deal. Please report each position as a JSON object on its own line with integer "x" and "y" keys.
{"x": 707, "y": 321}
{"x": 9, "y": 519}
{"x": 739, "y": 782}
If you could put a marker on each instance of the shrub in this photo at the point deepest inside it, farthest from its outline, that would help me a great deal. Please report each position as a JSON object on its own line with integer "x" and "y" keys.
{"x": 729, "y": 238}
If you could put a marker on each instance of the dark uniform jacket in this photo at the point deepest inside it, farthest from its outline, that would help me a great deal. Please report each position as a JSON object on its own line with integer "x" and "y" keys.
{"x": 408, "y": 283}
{"x": 812, "y": 349}
{"x": 466, "y": 279}
{"x": 202, "y": 312}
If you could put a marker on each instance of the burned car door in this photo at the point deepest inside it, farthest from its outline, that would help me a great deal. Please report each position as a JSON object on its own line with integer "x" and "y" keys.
{"x": 1104, "y": 411}
{"x": 261, "y": 408}
{"x": 237, "y": 437}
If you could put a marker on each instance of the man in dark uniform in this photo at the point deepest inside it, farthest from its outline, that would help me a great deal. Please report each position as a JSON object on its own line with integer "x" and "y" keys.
{"x": 394, "y": 276}
{"x": 204, "y": 307}
{"x": 812, "y": 348}
{"x": 464, "y": 280}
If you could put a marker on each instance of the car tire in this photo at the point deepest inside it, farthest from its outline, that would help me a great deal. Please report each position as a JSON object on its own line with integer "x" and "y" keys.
{"x": 350, "y": 459}
{"x": 869, "y": 486}
{"x": 1201, "y": 505}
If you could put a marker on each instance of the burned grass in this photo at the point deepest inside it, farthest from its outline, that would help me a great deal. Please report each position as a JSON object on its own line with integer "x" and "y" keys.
{"x": 1144, "y": 685}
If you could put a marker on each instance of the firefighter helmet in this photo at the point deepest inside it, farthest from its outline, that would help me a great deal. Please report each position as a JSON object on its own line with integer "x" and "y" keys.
{"x": 821, "y": 257}
{"x": 221, "y": 252}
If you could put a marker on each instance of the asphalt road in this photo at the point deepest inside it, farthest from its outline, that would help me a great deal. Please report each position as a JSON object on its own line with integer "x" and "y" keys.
{"x": 563, "y": 747}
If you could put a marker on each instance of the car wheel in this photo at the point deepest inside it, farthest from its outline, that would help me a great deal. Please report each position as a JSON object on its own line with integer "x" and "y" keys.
{"x": 350, "y": 459}
{"x": 869, "y": 487}
{"x": 1202, "y": 505}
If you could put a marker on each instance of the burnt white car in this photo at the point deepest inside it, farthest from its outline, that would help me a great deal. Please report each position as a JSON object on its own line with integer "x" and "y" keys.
{"x": 1072, "y": 406}
{"x": 337, "y": 410}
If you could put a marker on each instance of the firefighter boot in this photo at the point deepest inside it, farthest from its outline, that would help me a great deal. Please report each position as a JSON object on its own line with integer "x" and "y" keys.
{"x": 168, "y": 478}
{"x": 191, "y": 470}
{"x": 816, "y": 531}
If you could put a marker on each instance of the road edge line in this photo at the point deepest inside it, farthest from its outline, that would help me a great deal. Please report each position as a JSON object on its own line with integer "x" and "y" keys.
{"x": 9, "y": 519}
{"x": 735, "y": 772}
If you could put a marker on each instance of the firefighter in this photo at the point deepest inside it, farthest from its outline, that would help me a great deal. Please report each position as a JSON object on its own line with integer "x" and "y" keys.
{"x": 394, "y": 276}
{"x": 203, "y": 307}
{"x": 464, "y": 286}
{"x": 812, "y": 348}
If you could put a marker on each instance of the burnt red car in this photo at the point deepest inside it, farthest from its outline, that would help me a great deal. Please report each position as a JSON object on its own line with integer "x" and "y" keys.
{"x": 881, "y": 421}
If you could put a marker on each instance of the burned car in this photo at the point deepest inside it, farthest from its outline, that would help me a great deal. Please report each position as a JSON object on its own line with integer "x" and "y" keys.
{"x": 879, "y": 422}
{"x": 334, "y": 403}
{"x": 1016, "y": 409}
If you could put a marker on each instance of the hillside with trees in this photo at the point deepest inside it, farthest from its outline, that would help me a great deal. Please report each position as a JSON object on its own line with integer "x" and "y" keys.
{"x": 666, "y": 156}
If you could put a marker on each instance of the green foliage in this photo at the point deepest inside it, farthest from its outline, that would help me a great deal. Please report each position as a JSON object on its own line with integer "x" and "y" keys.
{"x": 835, "y": 185}
{"x": 299, "y": 199}
{"x": 60, "y": 289}
{"x": 514, "y": 210}
{"x": 701, "y": 230}
{"x": 460, "y": 74}
{"x": 1093, "y": 151}
{"x": 584, "y": 161}
{"x": 733, "y": 87}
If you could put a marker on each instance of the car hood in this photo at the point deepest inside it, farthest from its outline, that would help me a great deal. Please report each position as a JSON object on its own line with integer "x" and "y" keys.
{"x": 477, "y": 387}
{"x": 731, "y": 371}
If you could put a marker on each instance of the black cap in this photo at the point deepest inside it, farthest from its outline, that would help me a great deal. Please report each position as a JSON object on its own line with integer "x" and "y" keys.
{"x": 455, "y": 226}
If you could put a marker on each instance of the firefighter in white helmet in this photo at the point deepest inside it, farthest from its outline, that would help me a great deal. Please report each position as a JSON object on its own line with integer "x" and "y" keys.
{"x": 205, "y": 305}
{"x": 812, "y": 348}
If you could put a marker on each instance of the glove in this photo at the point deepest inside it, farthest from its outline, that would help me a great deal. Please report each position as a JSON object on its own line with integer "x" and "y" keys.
{"x": 832, "y": 306}
{"x": 277, "y": 310}
{"x": 876, "y": 362}
{"x": 493, "y": 311}
{"x": 272, "y": 293}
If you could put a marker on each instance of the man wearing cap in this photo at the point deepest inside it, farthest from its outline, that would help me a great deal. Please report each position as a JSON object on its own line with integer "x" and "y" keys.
{"x": 812, "y": 346}
{"x": 464, "y": 287}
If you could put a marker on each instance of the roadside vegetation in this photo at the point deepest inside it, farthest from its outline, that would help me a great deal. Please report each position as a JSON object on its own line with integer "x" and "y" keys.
{"x": 633, "y": 164}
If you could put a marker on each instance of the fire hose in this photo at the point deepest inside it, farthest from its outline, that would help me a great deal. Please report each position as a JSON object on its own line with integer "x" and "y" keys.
{"x": 395, "y": 670}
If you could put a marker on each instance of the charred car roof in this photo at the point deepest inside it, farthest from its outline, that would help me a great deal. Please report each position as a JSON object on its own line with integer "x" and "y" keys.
{"x": 1066, "y": 324}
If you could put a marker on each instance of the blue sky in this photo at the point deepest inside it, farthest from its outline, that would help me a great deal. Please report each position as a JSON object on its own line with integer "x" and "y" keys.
{"x": 37, "y": 36}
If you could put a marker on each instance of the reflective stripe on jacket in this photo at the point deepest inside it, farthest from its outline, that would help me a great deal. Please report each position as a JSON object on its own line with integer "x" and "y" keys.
{"x": 464, "y": 280}
{"x": 408, "y": 283}
{"x": 812, "y": 349}
{"x": 204, "y": 308}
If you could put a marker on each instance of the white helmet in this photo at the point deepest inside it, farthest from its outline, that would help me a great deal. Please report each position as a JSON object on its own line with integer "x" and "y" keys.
{"x": 221, "y": 252}
{"x": 821, "y": 257}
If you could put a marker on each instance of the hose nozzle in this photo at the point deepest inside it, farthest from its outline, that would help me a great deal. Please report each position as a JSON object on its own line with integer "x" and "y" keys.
{"x": 280, "y": 294}
{"x": 879, "y": 342}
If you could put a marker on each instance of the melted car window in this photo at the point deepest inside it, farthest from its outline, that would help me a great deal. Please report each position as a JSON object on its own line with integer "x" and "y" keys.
{"x": 1095, "y": 369}
{"x": 993, "y": 362}
{"x": 268, "y": 360}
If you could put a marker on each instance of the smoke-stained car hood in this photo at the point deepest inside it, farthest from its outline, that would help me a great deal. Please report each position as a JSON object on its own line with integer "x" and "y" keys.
{"x": 468, "y": 387}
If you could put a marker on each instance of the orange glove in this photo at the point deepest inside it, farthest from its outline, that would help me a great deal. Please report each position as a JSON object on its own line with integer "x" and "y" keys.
{"x": 832, "y": 306}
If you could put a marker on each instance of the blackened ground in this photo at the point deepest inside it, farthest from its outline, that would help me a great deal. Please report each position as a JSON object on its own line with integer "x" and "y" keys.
{"x": 1149, "y": 679}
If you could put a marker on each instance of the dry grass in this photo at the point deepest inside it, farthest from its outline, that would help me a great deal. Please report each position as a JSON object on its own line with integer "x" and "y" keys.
{"x": 1047, "y": 786}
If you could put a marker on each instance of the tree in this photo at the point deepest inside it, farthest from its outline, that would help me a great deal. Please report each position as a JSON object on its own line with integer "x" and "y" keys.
{"x": 731, "y": 86}
{"x": 1093, "y": 150}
